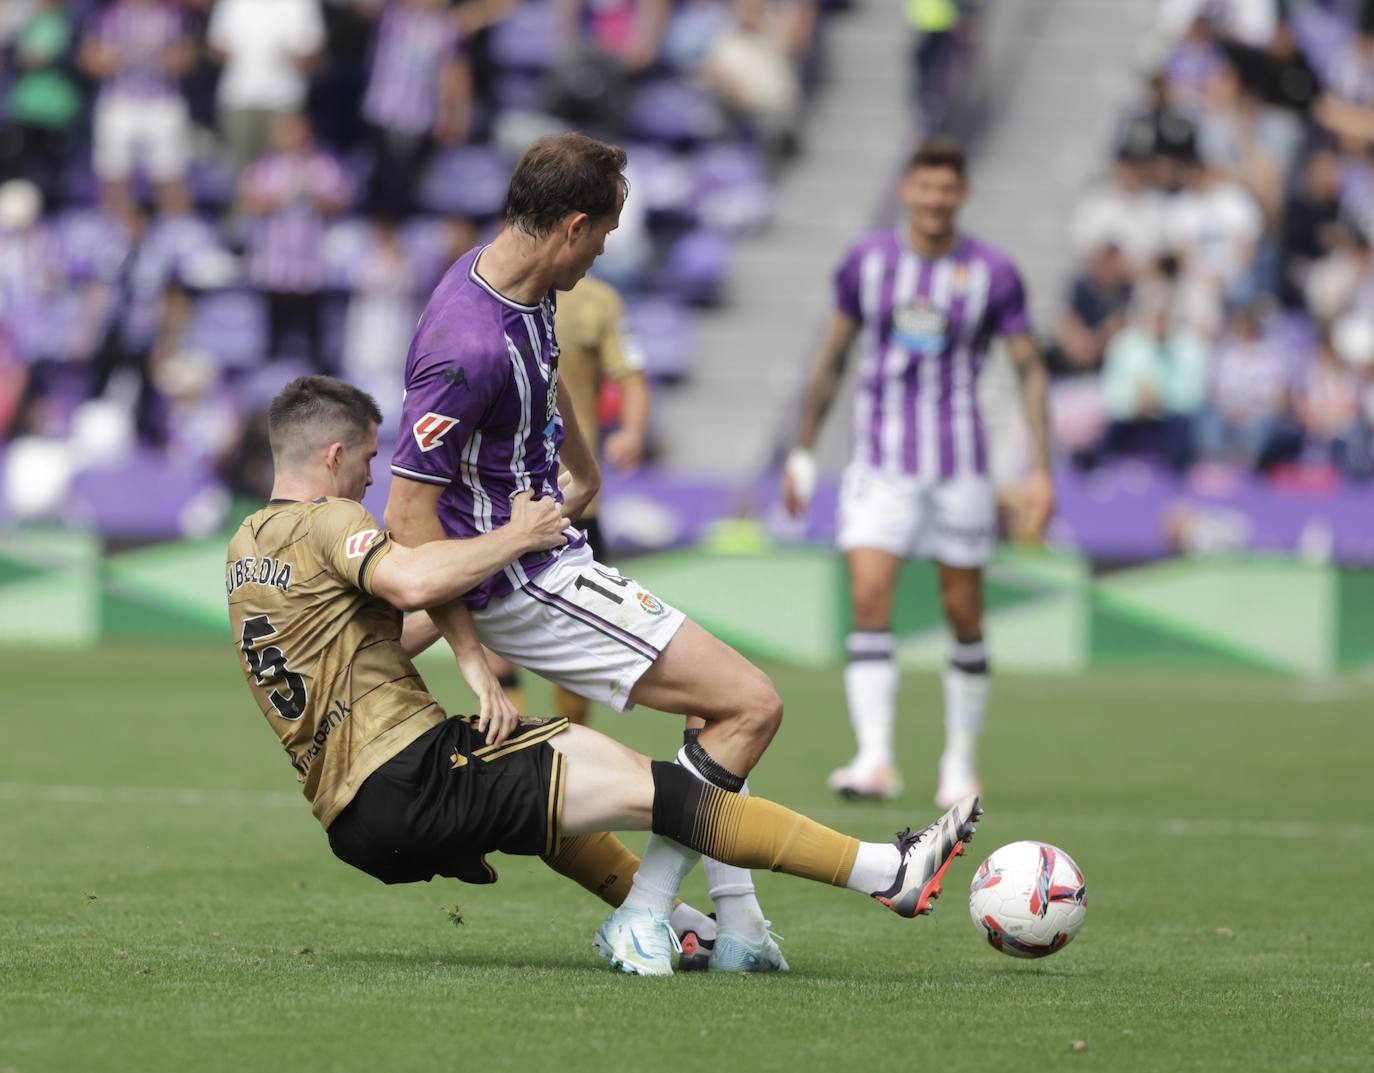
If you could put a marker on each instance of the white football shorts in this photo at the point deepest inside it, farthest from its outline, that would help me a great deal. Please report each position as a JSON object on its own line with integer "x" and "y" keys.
{"x": 583, "y": 626}
{"x": 951, "y": 520}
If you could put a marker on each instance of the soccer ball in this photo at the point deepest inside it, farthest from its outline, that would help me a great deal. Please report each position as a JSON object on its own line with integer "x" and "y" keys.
{"x": 1028, "y": 899}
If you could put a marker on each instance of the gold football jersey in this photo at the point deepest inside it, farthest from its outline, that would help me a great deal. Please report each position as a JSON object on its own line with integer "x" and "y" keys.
{"x": 322, "y": 655}
{"x": 592, "y": 342}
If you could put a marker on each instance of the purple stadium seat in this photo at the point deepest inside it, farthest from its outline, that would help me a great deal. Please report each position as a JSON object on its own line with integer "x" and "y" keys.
{"x": 143, "y": 496}
{"x": 694, "y": 271}
{"x": 732, "y": 190}
{"x": 211, "y": 182}
{"x": 527, "y": 38}
{"x": 346, "y": 246}
{"x": 231, "y": 325}
{"x": 664, "y": 183}
{"x": 676, "y": 112}
{"x": 518, "y": 91}
{"x": 470, "y": 181}
{"x": 665, "y": 334}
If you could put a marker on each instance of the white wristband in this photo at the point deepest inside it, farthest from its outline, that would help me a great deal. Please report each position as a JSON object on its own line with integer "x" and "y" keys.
{"x": 801, "y": 467}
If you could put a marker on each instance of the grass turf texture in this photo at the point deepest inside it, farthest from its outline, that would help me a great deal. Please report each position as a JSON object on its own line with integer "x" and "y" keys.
{"x": 168, "y": 903}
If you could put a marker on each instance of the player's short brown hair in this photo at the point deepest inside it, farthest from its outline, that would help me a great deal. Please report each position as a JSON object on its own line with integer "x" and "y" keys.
{"x": 563, "y": 174}
{"x": 939, "y": 153}
{"x": 314, "y": 411}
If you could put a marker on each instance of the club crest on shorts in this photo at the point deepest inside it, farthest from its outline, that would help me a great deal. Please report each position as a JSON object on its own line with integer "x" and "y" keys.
{"x": 358, "y": 544}
{"x": 652, "y": 604}
{"x": 429, "y": 430}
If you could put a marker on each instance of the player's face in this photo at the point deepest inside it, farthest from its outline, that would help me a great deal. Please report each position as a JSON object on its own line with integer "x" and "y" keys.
{"x": 354, "y": 472}
{"x": 585, "y": 245}
{"x": 933, "y": 197}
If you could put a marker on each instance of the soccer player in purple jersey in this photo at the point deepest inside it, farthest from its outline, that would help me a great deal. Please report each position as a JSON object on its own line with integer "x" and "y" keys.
{"x": 486, "y": 417}
{"x": 925, "y": 302}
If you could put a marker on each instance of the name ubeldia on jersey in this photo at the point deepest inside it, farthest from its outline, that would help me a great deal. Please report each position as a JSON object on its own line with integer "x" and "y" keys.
{"x": 926, "y": 328}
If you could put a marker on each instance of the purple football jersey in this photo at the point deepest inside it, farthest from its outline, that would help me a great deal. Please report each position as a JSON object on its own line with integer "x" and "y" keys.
{"x": 481, "y": 413}
{"x": 926, "y": 329}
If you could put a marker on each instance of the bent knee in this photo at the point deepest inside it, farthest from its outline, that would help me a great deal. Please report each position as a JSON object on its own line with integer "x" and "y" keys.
{"x": 872, "y": 607}
{"x": 762, "y": 709}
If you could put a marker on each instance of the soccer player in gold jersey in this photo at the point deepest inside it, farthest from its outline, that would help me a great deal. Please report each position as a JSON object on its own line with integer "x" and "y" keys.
{"x": 316, "y": 591}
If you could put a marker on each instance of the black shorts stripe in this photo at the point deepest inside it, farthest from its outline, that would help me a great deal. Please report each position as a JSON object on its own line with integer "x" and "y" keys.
{"x": 589, "y": 618}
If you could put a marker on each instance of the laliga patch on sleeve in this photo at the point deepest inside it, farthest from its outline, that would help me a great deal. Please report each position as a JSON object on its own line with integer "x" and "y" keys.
{"x": 358, "y": 544}
{"x": 429, "y": 430}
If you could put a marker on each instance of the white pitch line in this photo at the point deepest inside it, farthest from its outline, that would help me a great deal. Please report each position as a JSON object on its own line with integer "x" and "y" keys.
{"x": 48, "y": 793}
{"x": 1210, "y": 827}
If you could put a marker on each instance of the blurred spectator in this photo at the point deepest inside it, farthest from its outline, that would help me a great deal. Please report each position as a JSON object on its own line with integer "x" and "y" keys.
{"x": 1248, "y": 397}
{"x": 750, "y": 68}
{"x": 1310, "y": 223}
{"x": 1123, "y": 211}
{"x": 30, "y": 270}
{"x": 43, "y": 103}
{"x": 268, "y": 49}
{"x": 1280, "y": 73}
{"x": 1215, "y": 225}
{"x": 381, "y": 313}
{"x": 289, "y": 194}
{"x": 944, "y": 31}
{"x": 629, "y": 30}
{"x": 1327, "y": 405}
{"x": 1192, "y": 61}
{"x": 419, "y": 94}
{"x": 1250, "y": 143}
{"x": 1246, "y": 22}
{"x": 200, "y": 423}
{"x": 1154, "y": 382}
{"x": 1342, "y": 280}
{"x": 1157, "y": 131}
{"x": 137, "y": 50}
{"x": 1096, "y": 311}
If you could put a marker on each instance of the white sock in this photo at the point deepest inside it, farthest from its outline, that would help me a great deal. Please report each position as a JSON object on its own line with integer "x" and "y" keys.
{"x": 731, "y": 888}
{"x": 662, "y": 869}
{"x": 684, "y": 919}
{"x": 966, "y": 699}
{"x": 875, "y": 867}
{"x": 870, "y": 686}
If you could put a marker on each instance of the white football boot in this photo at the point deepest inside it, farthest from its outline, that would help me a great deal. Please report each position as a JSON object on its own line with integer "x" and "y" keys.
{"x": 733, "y": 952}
{"x": 926, "y": 856}
{"x": 638, "y": 942}
{"x": 866, "y": 782}
{"x": 958, "y": 780}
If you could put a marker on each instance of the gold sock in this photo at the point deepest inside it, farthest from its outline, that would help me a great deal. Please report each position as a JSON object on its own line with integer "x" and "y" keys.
{"x": 748, "y": 831}
{"x": 600, "y": 863}
{"x": 570, "y": 706}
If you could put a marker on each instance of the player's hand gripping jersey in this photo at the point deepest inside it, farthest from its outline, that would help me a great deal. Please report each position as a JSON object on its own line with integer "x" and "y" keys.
{"x": 480, "y": 414}
{"x": 322, "y": 655}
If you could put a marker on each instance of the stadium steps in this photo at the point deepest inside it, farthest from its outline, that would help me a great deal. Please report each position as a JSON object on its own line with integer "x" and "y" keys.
{"x": 1047, "y": 116}
{"x": 751, "y": 353}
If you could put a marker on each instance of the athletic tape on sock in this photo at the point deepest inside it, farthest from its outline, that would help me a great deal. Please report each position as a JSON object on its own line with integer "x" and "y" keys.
{"x": 970, "y": 657}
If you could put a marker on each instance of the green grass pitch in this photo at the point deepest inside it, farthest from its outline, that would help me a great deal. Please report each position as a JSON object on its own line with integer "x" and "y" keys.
{"x": 168, "y": 903}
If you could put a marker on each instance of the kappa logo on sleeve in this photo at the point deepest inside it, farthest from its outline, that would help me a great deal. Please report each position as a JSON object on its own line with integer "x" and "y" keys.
{"x": 430, "y": 430}
{"x": 358, "y": 544}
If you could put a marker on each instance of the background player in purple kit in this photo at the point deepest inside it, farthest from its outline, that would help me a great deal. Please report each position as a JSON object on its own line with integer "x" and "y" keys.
{"x": 485, "y": 417}
{"x": 926, "y": 301}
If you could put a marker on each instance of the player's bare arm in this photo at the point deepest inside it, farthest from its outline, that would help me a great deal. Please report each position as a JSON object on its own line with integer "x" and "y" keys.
{"x": 1036, "y": 498}
{"x": 411, "y": 515}
{"x": 578, "y": 460}
{"x": 822, "y": 383}
{"x": 624, "y": 448}
{"x": 418, "y": 633}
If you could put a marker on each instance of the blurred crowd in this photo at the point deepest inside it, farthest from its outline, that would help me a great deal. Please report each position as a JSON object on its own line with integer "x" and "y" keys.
{"x": 199, "y": 198}
{"x": 1222, "y": 307}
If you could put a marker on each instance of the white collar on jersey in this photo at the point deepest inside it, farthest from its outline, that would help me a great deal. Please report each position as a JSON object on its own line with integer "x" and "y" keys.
{"x": 476, "y": 278}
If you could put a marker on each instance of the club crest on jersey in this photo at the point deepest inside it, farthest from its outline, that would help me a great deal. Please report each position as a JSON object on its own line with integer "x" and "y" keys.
{"x": 429, "y": 430}
{"x": 652, "y": 604}
{"x": 358, "y": 544}
{"x": 920, "y": 327}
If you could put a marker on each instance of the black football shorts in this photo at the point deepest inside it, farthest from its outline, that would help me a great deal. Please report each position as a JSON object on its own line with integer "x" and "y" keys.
{"x": 448, "y": 798}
